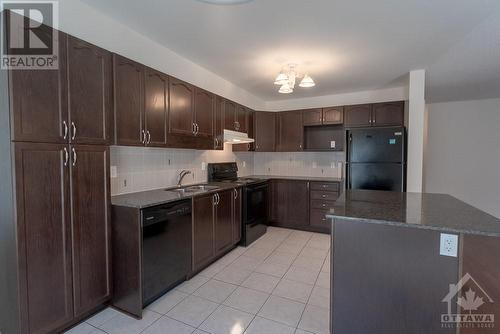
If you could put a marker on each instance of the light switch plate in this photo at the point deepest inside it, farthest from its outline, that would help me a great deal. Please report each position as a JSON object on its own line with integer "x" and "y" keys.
{"x": 448, "y": 245}
{"x": 114, "y": 172}
{"x": 332, "y": 143}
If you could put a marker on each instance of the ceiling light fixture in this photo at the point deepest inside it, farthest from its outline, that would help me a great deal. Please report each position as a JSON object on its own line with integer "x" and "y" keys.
{"x": 287, "y": 78}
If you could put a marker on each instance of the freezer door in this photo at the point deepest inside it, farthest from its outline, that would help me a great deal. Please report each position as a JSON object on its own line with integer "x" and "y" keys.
{"x": 379, "y": 176}
{"x": 376, "y": 145}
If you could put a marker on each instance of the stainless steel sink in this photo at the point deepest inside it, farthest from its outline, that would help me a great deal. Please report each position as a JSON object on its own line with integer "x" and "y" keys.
{"x": 193, "y": 189}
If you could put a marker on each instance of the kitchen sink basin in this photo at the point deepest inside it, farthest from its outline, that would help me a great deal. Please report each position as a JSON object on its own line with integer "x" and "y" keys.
{"x": 193, "y": 189}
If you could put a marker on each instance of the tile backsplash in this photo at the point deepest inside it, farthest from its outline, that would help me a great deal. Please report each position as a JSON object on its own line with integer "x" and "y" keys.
{"x": 144, "y": 168}
{"x": 140, "y": 168}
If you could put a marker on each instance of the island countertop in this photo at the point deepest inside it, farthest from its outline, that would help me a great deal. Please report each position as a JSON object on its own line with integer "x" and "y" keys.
{"x": 421, "y": 210}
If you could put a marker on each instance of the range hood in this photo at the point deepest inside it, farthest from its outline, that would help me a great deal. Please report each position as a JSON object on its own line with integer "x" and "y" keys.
{"x": 235, "y": 137}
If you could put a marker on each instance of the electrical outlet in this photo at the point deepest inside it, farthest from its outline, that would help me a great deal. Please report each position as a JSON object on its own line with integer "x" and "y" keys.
{"x": 114, "y": 172}
{"x": 244, "y": 164}
{"x": 315, "y": 164}
{"x": 203, "y": 165}
{"x": 448, "y": 245}
{"x": 333, "y": 165}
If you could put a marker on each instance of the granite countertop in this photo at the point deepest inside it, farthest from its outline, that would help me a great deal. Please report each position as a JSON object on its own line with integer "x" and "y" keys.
{"x": 430, "y": 211}
{"x": 300, "y": 178}
{"x": 149, "y": 198}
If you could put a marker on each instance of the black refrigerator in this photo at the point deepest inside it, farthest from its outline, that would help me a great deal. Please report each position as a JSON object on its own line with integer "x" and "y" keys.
{"x": 376, "y": 159}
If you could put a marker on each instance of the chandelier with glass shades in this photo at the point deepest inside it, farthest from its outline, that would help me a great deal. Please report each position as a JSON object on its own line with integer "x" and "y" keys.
{"x": 288, "y": 77}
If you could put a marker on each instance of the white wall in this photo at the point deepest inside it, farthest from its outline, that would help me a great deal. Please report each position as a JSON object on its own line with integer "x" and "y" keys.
{"x": 82, "y": 21}
{"x": 463, "y": 152}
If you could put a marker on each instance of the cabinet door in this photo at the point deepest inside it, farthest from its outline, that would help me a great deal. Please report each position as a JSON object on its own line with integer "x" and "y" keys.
{"x": 129, "y": 101}
{"x": 297, "y": 203}
{"x": 248, "y": 146}
{"x": 237, "y": 219}
{"x": 265, "y": 131}
{"x": 90, "y": 226}
{"x": 230, "y": 115}
{"x": 224, "y": 221}
{"x": 181, "y": 108}
{"x": 358, "y": 115}
{"x": 334, "y": 115}
{"x": 278, "y": 201}
{"x": 89, "y": 89}
{"x": 44, "y": 236}
{"x": 219, "y": 124}
{"x": 204, "y": 103}
{"x": 388, "y": 114}
{"x": 241, "y": 119}
{"x": 156, "y": 107}
{"x": 39, "y": 101}
{"x": 203, "y": 230}
{"x": 290, "y": 131}
{"x": 312, "y": 117}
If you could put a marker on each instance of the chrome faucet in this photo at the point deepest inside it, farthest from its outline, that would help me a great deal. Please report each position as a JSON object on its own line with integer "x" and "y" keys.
{"x": 182, "y": 174}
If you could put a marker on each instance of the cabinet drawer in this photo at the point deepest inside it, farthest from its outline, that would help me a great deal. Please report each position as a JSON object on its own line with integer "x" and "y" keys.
{"x": 325, "y": 186}
{"x": 317, "y": 218}
{"x": 324, "y": 195}
{"x": 321, "y": 204}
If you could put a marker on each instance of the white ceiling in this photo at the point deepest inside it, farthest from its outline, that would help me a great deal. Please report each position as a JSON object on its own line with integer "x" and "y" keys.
{"x": 345, "y": 45}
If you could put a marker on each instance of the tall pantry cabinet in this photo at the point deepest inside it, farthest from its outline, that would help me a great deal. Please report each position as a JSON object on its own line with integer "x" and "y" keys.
{"x": 55, "y": 128}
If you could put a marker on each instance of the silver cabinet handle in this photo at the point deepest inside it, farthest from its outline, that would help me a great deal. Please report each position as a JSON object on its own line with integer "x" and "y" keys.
{"x": 66, "y": 156}
{"x": 214, "y": 200}
{"x": 149, "y": 137}
{"x": 248, "y": 146}
{"x": 65, "y": 129}
{"x": 143, "y": 137}
{"x": 73, "y": 126}
{"x": 197, "y": 127}
{"x": 218, "y": 198}
{"x": 216, "y": 142}
{"x": 194, "y": 128}
{"x": 235, "y": 193}
{"x": 74, "y": 156}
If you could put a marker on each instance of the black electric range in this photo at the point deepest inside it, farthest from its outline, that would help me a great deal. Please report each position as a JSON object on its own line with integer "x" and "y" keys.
{"x": 254, "y": 199}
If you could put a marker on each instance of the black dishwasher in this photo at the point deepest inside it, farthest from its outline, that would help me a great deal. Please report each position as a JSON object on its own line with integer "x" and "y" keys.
{"x": 166, "y": 244}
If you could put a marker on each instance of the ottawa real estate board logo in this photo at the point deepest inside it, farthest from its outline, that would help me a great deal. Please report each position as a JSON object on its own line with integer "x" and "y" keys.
{"x": 28, "y": 41}
{"x": 474, "y": 303}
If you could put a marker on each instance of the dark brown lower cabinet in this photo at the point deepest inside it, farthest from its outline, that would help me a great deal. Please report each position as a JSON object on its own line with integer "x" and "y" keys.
{"x": 289, "y": 203}
{"x": 216, "y": 226}
{"x": 63, "y": 233}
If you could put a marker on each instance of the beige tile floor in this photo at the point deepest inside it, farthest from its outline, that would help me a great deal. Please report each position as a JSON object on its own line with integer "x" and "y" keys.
{"x": 278, "y": 285}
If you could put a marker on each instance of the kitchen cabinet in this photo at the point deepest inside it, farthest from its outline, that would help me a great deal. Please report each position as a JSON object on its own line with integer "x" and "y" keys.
{"x": 44, "y": 236}
{"x": 63, "y": 241}
{"x": 289, "y": 203}
{"x": 90, "y": 226}
{"x": 219, "y": 123}
{"x": 290, "y": 131}
{"x": 156, "y": 95}
{"x": 204, "y": 104}
{"x": 203, "y": 230}
{"x": 241, "y": 119}
{"x": 216, "y": 226}
{"x": 325, "y": 116}
{"x": 265, "y": 131}
{"x": 322, "y": 196}
{"x": 378, "y": 114}
{"x": 181, "y": 108}
{"x": 70, "y": 104}
{"x": 141, "y": 104}
{"x": 230, "y": 117}
{"x": 248, "y": 146}
{"x": 224, "y": 221}
{"x": 90, "y": 92}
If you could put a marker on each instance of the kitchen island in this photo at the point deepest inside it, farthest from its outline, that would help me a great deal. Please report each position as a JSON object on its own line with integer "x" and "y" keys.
{"x": 413, "y": 263}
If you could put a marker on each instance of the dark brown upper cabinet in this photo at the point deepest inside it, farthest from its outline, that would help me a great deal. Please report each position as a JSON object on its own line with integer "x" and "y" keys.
{"x": 230, "y": 115}
{"x": 89, "y": 88}
{"x": 290, "y": 131}
{"x": 181, "y": 113}
{"x": 141, "y": 104}
{"x": 219, "y": 123}
{"x": 39, "y": 101}
{"x": 70, "y": 104}
{"x": 129, "y": 101}
{"x": 241, "y": 119}
{"x": 248, "y": 146}
{"x": 156, "y": 95}
{"x": 378, "y": 114}
{"x": 265, "y": 131}
{"x": 204, "y": 105}
{"x": 388, "y": 114}
{"x": 325, "y": 116}
{"x": 90, "y": 227}
{"x": 358, "y": 115}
